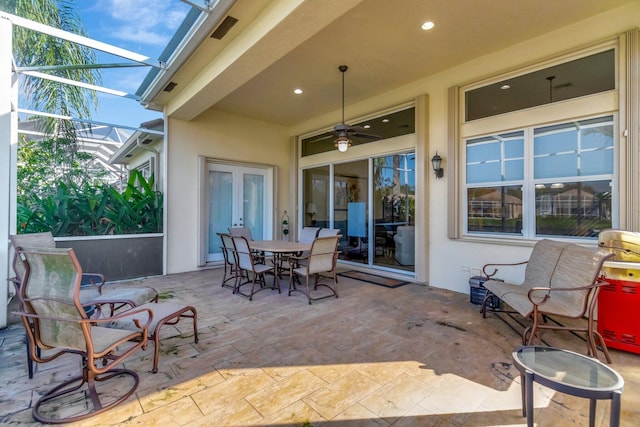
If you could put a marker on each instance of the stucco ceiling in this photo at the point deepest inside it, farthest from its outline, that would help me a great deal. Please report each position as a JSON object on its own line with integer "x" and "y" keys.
{"x": 380, "y": 40}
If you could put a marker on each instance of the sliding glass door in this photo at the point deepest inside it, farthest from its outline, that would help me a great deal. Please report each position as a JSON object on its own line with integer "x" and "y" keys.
{"x": 350, "y": 209}
{"x": 371, "y": 202}
{"x": 394, "y": 191}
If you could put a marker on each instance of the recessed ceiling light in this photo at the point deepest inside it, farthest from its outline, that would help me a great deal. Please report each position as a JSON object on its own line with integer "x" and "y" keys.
{"x": 297, "y": 91}
{"x": 505, "y": 87}
{"x": 428, "y": 25}
{"x": 385, "y": 120}
{"x": 366, "y": 126}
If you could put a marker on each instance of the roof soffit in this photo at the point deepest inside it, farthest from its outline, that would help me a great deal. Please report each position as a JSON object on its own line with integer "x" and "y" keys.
{"x": 275, "y": 48}
{"x": 274, "y": 32}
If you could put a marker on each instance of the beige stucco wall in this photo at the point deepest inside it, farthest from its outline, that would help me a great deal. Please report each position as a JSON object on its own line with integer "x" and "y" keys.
{"x": 220, "y": 135}
{"x": 453, "y": 256}
{"x": 447, "y": 258}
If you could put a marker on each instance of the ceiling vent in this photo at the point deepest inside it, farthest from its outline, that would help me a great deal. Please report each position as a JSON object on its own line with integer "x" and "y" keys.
{"x": 147, "y": 141}
{"x": 224, "y": 27}
{"x": 170, "y": 86}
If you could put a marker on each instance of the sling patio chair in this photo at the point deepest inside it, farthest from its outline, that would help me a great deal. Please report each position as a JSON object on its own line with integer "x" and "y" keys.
{"x": 322, "y": 258}
{"x": 231, "y": 269}
{"x": 92, "y": 294}
{"x": 561, "y": 281}
{"x": 255, "y": 271}
{"x": 241, "y": 231}
{"x": 56, "y": 324}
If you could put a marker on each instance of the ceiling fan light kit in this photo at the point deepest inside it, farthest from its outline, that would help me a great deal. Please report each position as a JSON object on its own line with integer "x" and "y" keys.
{"x": 343, "y": 143}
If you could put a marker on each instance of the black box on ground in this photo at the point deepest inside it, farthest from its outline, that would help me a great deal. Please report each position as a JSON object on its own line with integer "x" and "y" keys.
{"x": 478, "y": 292}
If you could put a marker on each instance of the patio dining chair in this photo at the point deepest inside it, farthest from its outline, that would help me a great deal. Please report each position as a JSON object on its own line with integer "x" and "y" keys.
{"x": 231, "y": 269}
{"x": 324, "y": 232}
{"x": 308, "y": 234}
{"x": 322, "y": 258}
{"x": 56, "y": 323}
{"x": 241, "y": 231}
{"x": 255, "y": 271}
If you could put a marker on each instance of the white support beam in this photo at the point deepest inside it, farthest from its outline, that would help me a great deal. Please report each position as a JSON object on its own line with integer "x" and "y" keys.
{"x": 85, "y": 41}
{"x": 203, "y": 5}
{"x": 90, "y": 122}
{"x": 80, "y": 84}
{"x": 8, "y": 154}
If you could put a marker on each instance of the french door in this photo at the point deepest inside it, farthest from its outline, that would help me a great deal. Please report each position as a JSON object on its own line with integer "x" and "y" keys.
{"x": 239, "y": 196}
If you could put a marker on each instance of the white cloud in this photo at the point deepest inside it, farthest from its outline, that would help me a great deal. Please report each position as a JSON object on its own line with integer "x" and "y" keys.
{"x": 140, "y": 35}
{"x": 144, "y": 21}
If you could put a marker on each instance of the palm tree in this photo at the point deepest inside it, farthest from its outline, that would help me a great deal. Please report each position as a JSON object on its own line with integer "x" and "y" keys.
{"x": 68, "y": 60}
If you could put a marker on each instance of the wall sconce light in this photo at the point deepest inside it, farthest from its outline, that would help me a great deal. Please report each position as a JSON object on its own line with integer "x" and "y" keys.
{"x": 343, "y": 143}
{"x": 436, "y": 162}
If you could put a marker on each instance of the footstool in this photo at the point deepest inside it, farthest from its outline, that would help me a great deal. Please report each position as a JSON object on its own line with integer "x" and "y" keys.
{"x": 164, "y": 313}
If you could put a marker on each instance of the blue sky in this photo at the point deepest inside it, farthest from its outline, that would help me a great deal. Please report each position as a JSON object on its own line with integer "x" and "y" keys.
{"x": 144, "y": 27}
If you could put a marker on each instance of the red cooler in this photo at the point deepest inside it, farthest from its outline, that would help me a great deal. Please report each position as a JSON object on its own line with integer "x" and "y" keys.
{"x": 619, "y": 301}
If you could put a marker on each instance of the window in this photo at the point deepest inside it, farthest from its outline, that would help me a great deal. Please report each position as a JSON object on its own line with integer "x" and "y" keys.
{"x": 386, "y": 126}
{"x": 145, "y": 169}
{"x": 584, "y": 76}
{"x": 542, "y": 180}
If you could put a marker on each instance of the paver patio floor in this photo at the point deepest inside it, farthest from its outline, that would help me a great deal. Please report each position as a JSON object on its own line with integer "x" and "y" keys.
{"x": 410, "y": 356}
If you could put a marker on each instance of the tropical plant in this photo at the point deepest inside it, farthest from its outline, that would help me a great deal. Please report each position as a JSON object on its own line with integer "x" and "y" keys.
{"x": 89, "y": 209}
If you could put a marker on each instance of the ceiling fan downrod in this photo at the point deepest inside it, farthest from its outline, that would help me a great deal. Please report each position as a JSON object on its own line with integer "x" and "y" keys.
{"x": 343, "y": 69}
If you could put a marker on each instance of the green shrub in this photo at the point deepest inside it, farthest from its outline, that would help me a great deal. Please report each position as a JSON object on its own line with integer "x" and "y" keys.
{"x": 89, "y": 209}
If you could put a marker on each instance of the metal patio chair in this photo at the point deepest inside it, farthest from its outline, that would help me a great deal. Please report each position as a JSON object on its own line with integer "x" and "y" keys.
{"x": 92, "y": 295}
{"x": 231, "y": 269}
{"x": 56, "y": 323}
{"x": 255, "y": 271}
{"x": 322, "y": 258}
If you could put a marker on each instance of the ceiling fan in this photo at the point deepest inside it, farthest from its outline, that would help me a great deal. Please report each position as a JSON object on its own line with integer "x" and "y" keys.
{"x": 344, "y": 132}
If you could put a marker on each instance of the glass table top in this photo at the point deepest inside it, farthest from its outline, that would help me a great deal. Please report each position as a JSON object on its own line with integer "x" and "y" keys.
{"x": 568, "y": 368}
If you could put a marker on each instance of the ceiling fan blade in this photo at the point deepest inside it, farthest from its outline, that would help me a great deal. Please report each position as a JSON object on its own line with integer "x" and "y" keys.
{"x": 320, "y": 138}
{"x": 360, "y": 132}
{"x": 365, "y": 135}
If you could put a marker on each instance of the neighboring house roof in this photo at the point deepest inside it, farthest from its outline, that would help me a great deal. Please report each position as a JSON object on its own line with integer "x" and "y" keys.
{"x": 99, "y": 140}
{"x": 140, "y": 137}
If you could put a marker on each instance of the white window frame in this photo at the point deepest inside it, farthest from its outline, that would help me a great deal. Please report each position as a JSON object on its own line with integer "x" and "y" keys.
{"x": 595, "y": 105}
{"x": 146, "y": 168}
{"x": 529, "y": 182}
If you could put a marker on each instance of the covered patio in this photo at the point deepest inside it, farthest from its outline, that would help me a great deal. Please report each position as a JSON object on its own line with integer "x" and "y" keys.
{"x": 406, "y": 356}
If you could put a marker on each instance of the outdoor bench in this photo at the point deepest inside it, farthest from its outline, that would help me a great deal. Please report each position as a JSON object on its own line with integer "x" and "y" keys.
{"x": 560, "y": 280}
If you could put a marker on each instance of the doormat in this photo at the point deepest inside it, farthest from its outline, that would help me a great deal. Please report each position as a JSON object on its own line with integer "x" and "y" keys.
{"x": 387, "y": 282}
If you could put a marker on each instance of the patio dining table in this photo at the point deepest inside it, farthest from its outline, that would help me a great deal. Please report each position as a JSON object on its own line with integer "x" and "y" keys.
{"x": 279, "y": 249}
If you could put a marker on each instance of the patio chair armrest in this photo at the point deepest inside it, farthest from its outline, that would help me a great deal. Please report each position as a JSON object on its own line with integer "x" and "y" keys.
{"x": 541, "y": 299}
{"x": 95, "y": 280}
{"x": 495, "y": 270}
{"x": 122, "y": 315}
{"x": 298, "y": 257}
{"x": 538, "y": 295}
{"x": 128, "y": 313}
{"x": 16, "y": 283}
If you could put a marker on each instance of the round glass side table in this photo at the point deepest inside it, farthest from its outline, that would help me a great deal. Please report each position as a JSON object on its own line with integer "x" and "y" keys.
{"x": 570, "y": 373}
